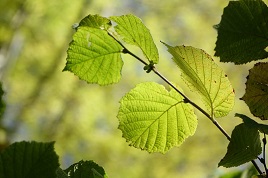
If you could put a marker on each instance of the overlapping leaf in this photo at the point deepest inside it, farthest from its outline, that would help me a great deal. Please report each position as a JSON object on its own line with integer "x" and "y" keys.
{"x": 153, "y": 119}
{"x": 29, "y": 159}
{"x": 202, "y": 75}
{"x": 86, "y": 169}
{"x": 93, "y": 55}
{"x": 135, "y": 32}
{"x": 243, "y": 32}
{"x": 256, "y": 95}
{"x": 244, "y": 146}
{"x": 251, "y": 123}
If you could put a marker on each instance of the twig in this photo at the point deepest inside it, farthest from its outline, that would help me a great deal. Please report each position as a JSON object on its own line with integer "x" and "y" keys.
{"x": 264, "y": 154}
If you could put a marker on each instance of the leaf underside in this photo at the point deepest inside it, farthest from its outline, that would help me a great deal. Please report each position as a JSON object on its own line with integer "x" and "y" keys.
{"x": 202, "y": 75}
{"x": 155, "y": 120}
{"x": 244, "y": 146}
{"x": 256, "y": 95}
{"x": 134, "y": 32}
{"x": 243, "y": 32}
{"x": 93, "y": 55}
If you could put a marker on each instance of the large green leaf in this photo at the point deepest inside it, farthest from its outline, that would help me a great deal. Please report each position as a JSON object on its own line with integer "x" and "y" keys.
{"x": 29, "y": 160}
{"x": 135, "y": 32}
{"x": 201, "y": 74}
{"x": 256, "y": 95}
{"x": 243, "y": 32}
{"x": 244, "y": 146}
{"x": 93, "y": 55}
{"x": 153, "y": 119}
{"x": 85, "y": 169}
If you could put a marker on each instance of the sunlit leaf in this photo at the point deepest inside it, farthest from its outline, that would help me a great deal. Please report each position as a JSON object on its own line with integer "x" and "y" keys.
{"x": 85, "y": 169}
{"x": 201, "y": 74}
{"x": 256, "y": 95}
{"x": 29, "y": 159}
{"x": 135, "y": 32}
{"x": 244, "y": 146}
{"x": 153, "y": 119}
{"x": 95, "y": 21}
{"x": 243, "y": 32}
{"x": 93, "y": 55}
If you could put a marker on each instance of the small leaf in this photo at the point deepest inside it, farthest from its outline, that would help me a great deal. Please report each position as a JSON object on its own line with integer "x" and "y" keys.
{"x": 243, "y": 32}
{"x": 96, "y": 21}
{"x": 251, "y": 123}
{"x": 93, "y": 55}
{"x": 256, "y": 95}
{"x": 29, "y": 159}
{"x": 244, "y": 146}
{"x": 201, "y": 74}
{"x": 155, "y": 120}
{"x": 85, "y": 169}
{"x": 135, "y": 32}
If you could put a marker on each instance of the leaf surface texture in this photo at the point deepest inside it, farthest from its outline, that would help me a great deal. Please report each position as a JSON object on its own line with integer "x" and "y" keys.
{"x": 154, "y": 119}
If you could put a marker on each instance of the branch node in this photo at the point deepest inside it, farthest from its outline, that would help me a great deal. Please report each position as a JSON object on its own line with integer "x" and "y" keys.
{"x": 149, "y": 67}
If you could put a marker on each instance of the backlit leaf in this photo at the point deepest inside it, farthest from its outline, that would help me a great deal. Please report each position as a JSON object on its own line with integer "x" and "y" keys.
{"x": 29, "y": 159}
{"x": 93, "y": 55}
{"x": 256, "y": 95}
{"x": 201, "y": 74}
{"x": 135, "y": 32}
{"x": 154, "y": 119}
{"x": 85, "y": 169}
{"x": 244, "y": 146}
{"x": 243, "y": 32}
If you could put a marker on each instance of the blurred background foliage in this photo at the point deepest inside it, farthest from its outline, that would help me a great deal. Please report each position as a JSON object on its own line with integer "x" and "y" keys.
{"x": 44, "y": 104}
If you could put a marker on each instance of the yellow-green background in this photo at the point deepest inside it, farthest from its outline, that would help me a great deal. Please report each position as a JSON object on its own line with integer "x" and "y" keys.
{"x": 46, "y": 104}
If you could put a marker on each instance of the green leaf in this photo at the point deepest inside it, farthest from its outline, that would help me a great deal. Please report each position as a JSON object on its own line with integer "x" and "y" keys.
{"x": 93, "y": 55}
{"x": 243, "y": 32}
{"x": 136, "y": 33}
{"x": 256, "y": 95}
{"x": 86, "y": 169}
{"x": 96, "y": 21}
{"x": 155, "y": 120}
{"x": 244, "y": 146}
{"x": 201, "y": 74}
{"x": 29, "y": 159}
{"x": 251, "y": 123}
